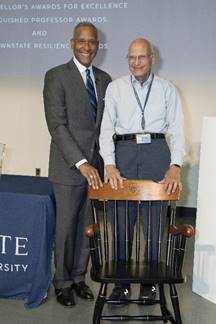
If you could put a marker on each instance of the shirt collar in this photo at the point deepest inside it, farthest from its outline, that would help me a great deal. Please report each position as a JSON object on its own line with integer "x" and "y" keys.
{"x": 81, "y": 67}
{"x": 135, "y": 81}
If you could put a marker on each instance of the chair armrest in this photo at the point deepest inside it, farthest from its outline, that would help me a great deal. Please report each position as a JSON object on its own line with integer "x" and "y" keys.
{"x": 92, "y": 230}
{"x": 186, "y": 230}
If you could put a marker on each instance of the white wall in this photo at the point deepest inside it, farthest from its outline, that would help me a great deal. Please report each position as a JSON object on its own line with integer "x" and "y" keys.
{"x": 204, "y": 282}
{"x": 23, "y": 128}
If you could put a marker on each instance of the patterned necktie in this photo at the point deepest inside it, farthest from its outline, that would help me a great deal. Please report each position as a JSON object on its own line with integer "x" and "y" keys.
{"x": 91, "y": 93}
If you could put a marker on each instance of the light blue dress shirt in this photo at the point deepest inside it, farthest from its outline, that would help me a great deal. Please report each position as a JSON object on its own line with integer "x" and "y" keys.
{"x": 122, "y": 115}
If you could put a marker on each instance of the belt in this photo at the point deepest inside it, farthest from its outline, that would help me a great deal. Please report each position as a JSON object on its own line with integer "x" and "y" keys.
{"x": 131, "y": 137}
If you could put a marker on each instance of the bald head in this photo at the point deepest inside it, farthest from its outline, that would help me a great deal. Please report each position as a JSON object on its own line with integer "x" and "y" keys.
{"x": 141, "y": 43}
{"x": 140, "y": 58}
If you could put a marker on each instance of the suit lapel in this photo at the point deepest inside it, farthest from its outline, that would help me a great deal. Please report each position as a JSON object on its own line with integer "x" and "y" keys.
{"x": 100, "y": 103}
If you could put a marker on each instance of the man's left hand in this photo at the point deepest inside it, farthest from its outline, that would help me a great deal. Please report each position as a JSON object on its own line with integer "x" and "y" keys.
{"x": 172, "y": 179}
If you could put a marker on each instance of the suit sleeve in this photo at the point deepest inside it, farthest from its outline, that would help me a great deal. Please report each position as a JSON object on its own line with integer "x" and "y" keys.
{"x": 56, "y": 117}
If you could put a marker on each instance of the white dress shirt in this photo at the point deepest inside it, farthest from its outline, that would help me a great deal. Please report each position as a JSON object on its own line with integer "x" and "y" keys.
{"x": 82, "y": 70}
{"x": 122, "y": 115}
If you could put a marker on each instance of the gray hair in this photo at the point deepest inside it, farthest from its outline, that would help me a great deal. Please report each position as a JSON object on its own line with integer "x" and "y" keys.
{"x": 85, "y": 24}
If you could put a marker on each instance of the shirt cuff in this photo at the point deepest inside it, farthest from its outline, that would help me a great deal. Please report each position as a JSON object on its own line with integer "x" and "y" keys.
{"x": 80, "y": 163}
{"x": 175, "y": 164}
{"x": 177, "y": 158}
{"x": 109, "y": 160}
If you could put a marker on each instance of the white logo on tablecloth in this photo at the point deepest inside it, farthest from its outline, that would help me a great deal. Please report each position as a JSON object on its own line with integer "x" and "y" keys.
{"x": 13, "y": 245}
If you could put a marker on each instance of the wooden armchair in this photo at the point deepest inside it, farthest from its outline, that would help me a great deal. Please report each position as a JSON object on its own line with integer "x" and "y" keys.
{"x": 138, "y": 265}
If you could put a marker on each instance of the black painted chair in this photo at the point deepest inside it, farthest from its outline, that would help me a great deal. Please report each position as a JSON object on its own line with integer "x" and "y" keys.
{"x": 138, "y": 266}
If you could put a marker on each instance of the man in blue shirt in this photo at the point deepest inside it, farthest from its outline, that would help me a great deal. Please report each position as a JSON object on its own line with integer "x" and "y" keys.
{"x": 140, "y": 109}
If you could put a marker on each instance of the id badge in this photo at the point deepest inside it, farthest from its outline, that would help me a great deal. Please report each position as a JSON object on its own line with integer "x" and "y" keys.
{"x": 143, "y": 138}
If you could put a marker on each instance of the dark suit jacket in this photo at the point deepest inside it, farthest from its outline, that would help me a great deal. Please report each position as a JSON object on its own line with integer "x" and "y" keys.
{"x": 74, "y": 133}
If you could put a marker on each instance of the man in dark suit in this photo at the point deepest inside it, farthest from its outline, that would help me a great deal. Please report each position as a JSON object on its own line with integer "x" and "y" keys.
{"x": 73, "y": 114}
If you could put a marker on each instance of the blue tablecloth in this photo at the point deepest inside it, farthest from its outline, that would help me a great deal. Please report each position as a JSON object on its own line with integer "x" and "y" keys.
{"x": 27, "y": 223}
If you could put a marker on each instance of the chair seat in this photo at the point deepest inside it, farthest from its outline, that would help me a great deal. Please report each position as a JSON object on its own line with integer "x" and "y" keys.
{"x": 133, "y": 272}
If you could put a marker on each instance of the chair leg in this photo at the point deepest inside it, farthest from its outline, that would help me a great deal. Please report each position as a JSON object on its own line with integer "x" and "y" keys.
{"x": 163, "y": 302}
{"x": 99, "y": 304}
{"x": 175, "y": 303}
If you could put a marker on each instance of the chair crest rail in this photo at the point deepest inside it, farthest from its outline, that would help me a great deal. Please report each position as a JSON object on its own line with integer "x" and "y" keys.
{"x": 133, "y": 190}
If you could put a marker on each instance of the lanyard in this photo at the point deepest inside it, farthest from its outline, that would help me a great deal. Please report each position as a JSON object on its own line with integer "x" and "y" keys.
{"x": 142, "y": 108}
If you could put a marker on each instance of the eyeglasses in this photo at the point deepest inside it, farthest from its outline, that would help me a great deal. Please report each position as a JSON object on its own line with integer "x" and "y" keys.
{"x": 140, "y": 58}
{"x": 83, "y": 42}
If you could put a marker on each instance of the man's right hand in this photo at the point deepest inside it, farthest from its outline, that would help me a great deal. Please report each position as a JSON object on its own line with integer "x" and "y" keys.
{"x": 91, "y": 174}
{"x": 113, "y": 176}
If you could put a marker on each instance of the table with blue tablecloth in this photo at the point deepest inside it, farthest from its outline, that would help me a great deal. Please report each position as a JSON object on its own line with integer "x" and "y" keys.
{"x": 27, "y": 224}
